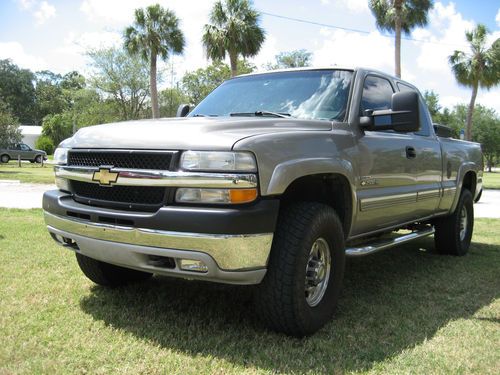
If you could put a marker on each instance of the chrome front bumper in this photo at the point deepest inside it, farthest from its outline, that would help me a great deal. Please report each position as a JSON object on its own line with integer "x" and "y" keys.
{"x": 234, "y": 259}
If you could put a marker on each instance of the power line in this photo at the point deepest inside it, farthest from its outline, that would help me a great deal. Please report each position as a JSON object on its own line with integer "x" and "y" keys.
{"x": 330, "y": 26}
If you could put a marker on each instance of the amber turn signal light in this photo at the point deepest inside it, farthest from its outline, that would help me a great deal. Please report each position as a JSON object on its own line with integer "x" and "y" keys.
{"x": 242, "y": 195}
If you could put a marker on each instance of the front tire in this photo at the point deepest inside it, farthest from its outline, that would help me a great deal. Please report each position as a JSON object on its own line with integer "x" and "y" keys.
{"x": 106, "y": 274}
{"x": 38, "y": 159}
{"x": 302, "y": 285}
{"x": 454, "y": 232}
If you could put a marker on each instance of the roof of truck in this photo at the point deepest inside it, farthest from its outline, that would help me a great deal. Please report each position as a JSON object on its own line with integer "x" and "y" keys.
{"x": 335, "y": 67}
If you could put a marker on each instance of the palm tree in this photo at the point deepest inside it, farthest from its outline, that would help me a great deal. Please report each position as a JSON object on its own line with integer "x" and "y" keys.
{"x": 235, "y": 30}
{"x": 397, "y": 16}
{"x": 155, "y": 32}
{"x": 480, "y": 68}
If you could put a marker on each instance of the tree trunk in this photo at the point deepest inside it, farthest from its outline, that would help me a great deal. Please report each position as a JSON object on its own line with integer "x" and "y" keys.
{"x": 152, "y": 82}
{"x": 397, "y": 39}
{"x": 233, "y": 59}
{"x": 468, "y": 125}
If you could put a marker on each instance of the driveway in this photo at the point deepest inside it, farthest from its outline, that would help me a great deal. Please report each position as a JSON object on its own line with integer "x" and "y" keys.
{"x": 16, "y": 195}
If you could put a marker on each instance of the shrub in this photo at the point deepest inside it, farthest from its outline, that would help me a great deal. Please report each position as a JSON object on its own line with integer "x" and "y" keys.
{"x": 45, "y": 143}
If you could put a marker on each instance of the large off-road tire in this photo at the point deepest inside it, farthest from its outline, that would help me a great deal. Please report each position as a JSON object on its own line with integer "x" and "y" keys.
{"x": 106, "y": 274}
{"x": 302, "y": 285}
{"x": 4, "y": 158}
{"x": 454, "y": 232}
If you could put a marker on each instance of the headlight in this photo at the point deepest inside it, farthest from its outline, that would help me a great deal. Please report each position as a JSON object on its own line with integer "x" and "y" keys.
{"x": 218, "y": 161}
{"x": 61, "y": 156}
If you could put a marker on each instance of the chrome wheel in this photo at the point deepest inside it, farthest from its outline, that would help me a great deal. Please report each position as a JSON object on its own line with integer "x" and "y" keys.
{"x": 317, "y": 272}
{"x": 463, "y": 223}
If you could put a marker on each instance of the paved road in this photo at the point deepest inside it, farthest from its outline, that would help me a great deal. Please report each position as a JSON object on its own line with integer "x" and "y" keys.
{"x": 17, "y": 195}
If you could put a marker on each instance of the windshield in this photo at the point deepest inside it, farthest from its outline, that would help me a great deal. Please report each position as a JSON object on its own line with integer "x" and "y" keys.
{"x": 309, "y": 94}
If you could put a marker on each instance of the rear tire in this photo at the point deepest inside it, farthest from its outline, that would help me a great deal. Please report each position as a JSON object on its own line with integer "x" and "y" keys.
{"x": 106, "y": 274}
{"x": 4, "y": 158}
{"x": 302, "y": 285}
{"x": 454, "y": 232}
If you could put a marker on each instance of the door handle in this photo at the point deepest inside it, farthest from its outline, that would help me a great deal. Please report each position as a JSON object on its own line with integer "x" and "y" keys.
{"x": 410, "y": 152}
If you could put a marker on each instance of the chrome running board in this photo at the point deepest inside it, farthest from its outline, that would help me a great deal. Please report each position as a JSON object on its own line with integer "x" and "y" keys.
{"x": 387, "y": 243}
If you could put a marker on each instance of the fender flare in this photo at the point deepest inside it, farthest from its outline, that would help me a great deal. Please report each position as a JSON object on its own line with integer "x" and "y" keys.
{"x": 462, "y": 171}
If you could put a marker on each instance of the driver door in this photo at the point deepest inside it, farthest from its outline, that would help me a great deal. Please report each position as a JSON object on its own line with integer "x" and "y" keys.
{"x": 387, "y": 188}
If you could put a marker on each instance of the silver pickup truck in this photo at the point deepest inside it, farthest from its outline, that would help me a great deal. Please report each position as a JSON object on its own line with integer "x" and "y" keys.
{"x": 273, "y": 179}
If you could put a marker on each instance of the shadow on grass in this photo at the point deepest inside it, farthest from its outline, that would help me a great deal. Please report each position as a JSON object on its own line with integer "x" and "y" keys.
{"x": 391, "y": 301}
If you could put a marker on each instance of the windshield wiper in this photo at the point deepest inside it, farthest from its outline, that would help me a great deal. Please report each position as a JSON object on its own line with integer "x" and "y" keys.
{"x": 261, "y": 114}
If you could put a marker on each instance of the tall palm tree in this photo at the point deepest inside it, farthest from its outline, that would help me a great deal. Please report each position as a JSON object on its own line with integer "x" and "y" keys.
{"x": 479, "y": 68}
{"x": 155, "y": 32}
{"x": 397, "y": 16}
{"x": 235, "y": 30}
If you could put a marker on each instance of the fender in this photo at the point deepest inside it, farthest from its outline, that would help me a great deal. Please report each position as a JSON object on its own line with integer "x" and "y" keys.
{"x": 287, "y": 172}
{"x": 462, "y": 171}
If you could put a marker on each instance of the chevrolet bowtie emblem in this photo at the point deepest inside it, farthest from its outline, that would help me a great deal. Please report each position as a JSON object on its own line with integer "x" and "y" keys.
{"x": 105, "y": 177}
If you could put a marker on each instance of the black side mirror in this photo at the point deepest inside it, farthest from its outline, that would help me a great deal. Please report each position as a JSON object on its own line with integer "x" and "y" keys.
{"x": 182, "y": 110}
{"x": 403, "y": 117}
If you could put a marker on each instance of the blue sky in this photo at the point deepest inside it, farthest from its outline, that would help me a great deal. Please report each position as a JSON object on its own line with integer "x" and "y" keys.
{"x": 52, "y": 34}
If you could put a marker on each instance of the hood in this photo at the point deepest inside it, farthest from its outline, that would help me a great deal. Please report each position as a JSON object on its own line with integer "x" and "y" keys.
{"x": 209, "y": 133}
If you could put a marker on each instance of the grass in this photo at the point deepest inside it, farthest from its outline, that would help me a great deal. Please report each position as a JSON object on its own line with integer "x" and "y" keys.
{"x": 491, "y": 180}
{"x": 405, "y": 310}
{"x": 32, "y": 173}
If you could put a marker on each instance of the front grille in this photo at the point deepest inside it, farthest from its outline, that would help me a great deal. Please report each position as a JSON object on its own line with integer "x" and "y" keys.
{"x": 161, "y": 160}
{"x": 137, "y": 198}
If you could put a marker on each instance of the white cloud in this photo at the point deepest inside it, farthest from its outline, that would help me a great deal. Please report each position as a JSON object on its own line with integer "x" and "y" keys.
{"x": 357, "y": 6}
{"x": 351, "y": 49}
{"x": 448, "y": 34}
{"x": 45, "y": 12}
{"x": 193, "y": 14}
{"x": 41, "y": 10}
{"x": 15, "y": 51}
{"x": 80, "y": 43}
{"x": 267, "y": 53}
{"x": 26, "y": 4}
{"x": 446, "y": 31}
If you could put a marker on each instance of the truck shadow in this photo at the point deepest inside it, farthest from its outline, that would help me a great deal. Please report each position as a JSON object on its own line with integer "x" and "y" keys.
{"x": 391, "y": 301}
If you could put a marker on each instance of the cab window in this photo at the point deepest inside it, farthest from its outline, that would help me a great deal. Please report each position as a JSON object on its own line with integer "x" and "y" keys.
{"x": 25, "y": 147}
{"x": 377, "y": 94}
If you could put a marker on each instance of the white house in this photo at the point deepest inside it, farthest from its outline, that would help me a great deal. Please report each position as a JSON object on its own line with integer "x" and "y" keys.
{"x": 30, "y": 134}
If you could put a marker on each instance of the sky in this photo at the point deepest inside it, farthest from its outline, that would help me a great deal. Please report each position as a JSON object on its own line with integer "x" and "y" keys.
{"x": 54, "y": 35}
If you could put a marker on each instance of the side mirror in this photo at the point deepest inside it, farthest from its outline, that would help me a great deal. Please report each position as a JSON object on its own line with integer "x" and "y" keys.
{"x": 403, "y": 117}
{"x": 182, "y": 110}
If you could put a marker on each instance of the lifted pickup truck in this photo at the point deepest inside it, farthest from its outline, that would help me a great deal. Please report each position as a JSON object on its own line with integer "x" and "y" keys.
{"x": 273, "y": 179}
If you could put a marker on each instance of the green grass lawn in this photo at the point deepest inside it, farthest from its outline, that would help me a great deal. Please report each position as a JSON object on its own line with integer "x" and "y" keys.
{"x": 491, "y": 180}
{"x": 33, "y": 173}
{"x": 405, "y": 310}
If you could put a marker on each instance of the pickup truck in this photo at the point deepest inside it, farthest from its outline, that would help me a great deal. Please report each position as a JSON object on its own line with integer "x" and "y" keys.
{"x": 273, "y": 179}
{"x": 23, "y": 151}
